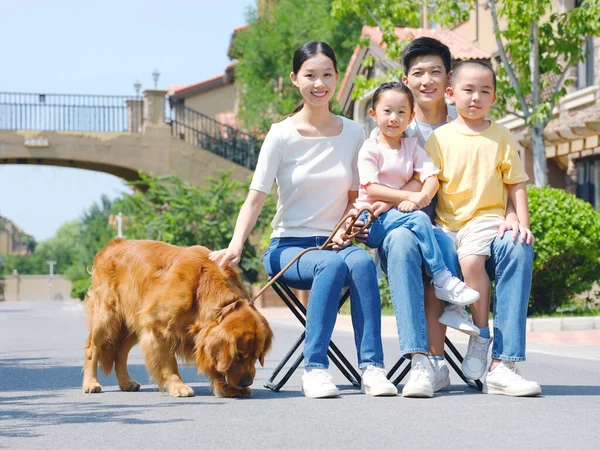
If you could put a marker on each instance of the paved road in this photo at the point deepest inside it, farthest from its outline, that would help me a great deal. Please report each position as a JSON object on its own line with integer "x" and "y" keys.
{"x": 42, "y": 406}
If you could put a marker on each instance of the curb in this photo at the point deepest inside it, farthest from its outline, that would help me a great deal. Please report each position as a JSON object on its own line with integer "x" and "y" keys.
{"x": 564, "y": 324}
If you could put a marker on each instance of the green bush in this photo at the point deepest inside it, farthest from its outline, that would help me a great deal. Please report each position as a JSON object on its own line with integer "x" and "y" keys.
{"x": 80, "y": 288}
{"x": 567, "y": 247}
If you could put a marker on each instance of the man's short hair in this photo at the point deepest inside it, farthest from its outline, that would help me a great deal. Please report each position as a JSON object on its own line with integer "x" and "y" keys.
{"x": 425, "y": 46}
{"x": 471, "y": 62}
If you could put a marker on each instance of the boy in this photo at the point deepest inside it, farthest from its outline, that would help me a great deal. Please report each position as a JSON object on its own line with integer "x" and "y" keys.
{"x": 480, "y": 168}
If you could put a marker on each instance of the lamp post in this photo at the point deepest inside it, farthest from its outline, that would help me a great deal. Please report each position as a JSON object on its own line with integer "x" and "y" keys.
{"x": 155, "y": 76}
{"x": 137, "y": 86}
{"x": 51, "y": 270}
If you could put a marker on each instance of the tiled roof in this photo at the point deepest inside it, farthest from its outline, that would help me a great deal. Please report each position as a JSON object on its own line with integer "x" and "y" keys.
{"x": 460, "y": 48}
{"x": 180, "y": 92}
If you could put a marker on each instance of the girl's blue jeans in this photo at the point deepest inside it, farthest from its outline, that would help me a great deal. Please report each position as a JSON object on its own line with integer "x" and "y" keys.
{"x": 419, "y": 224}
{"x": 325, "y": 273}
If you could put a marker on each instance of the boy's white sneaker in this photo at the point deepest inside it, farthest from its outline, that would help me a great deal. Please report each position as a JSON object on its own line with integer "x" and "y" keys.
{"x": 505, "y": 379}
{"x": 456, "y": 317}
{"x": 441, "y": 377}
{"x": 375, "y": 383}
{"x": 476, "y": 359}
{"x": 316, "y": 383}
{"x": 420, "y": 381}
{"x": 455, "y": 291}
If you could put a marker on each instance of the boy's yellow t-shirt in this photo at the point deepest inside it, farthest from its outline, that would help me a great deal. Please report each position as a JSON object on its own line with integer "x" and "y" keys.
{"x": 474, "y": 171}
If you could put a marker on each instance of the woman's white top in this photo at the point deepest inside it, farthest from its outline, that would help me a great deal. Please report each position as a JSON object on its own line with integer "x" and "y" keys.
{"x": 313, "y": 174}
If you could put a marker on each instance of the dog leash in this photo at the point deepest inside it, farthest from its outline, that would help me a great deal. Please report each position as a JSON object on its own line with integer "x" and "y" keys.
{"x": 328, "y": 245}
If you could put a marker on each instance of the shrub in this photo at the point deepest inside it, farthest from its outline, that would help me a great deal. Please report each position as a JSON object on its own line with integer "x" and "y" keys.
{"x": 567, "y": 247}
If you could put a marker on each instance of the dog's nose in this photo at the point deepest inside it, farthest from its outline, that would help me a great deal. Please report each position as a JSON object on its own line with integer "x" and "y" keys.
{"x": 246, "y": 381}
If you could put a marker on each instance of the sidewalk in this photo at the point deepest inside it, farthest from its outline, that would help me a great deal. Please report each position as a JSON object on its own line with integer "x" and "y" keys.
{"x": 547, "y": 337}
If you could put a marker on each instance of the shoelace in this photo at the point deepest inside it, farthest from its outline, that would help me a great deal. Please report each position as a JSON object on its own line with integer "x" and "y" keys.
{"x": 511, "y": 367}
{"x": 320, "y": 375}
{"x": 419, "y": 371}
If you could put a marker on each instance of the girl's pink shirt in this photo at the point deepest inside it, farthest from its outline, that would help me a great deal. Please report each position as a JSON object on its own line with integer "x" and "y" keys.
{"x": 380, "y": 164}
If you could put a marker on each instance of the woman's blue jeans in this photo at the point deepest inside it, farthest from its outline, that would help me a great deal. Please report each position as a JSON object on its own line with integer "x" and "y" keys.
{"x": 510, "y": 266}
{"x": 416, "y": 221}
{"x": 325, "y": 273}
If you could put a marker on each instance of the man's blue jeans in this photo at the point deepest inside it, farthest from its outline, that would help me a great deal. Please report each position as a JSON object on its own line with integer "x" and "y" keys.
{"x": 510, "y": 266}
{"x": 416, "y": 221}
{"x": 325, "y": 273}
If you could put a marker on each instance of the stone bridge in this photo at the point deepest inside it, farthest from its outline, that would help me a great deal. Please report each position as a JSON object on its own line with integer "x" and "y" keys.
{"x": 121, "y": 136}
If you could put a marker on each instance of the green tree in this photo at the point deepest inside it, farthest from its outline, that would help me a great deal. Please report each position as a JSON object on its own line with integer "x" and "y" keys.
{"x": 24, "y": 264}
{"x": 61, "y": 247}
{"x": 176, "y": 212}
{"x": 536, "y": 43}
{"x": 264, "y": 51}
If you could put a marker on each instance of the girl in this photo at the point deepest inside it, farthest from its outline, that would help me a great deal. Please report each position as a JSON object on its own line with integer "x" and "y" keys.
{"x": 390, "y": 160}
{"x": 312, "y": 156}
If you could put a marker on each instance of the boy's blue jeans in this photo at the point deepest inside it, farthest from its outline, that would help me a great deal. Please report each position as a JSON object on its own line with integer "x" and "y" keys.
{"x": 416, "y": 221}
{"x": 510, "y": 266}
{"x": 325, "y": 273}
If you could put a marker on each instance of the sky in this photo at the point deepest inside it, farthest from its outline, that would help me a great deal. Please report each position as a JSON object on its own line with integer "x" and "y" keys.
{"x": 75, "y": 47}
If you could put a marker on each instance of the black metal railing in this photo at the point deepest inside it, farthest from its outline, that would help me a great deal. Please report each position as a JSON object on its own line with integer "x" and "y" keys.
{"x": 70, "y": 112}
{"x": 209, "y": 134}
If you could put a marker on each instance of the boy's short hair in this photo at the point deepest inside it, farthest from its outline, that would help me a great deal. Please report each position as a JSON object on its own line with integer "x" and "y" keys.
{"x": 425, "y": 46}
{"x": 471, "y": 62}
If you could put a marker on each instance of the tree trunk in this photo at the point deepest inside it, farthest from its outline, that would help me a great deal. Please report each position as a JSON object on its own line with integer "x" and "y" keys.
{"x": 540, "y": 168}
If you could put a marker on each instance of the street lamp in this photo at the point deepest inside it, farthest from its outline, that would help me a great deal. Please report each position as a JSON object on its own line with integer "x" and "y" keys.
{"x": 137, "y": 86}
{"x": 155, "y": 76}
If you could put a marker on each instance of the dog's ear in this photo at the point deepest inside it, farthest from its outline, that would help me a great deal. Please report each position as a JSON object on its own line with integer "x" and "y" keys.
{"x": 228, "y": 310}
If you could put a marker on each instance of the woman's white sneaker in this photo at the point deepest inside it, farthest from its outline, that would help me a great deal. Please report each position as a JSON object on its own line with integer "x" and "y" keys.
{"x": 456, "y": 317}
{"x": 455, "y": 291}
{"x": 375, "y": 383}
{"x": 420, "y": 381}
{"x": 476, "y": 359}
{"x": 505, "y": 379}
{"x": 316, "y": 383}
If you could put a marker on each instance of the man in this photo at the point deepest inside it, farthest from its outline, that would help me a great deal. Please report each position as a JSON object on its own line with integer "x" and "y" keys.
{"x": 426, "y": 64}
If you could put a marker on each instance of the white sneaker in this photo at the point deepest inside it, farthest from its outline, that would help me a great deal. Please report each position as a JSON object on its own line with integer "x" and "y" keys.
{"x": 375, "y": 383}
{"x": 316, "y": 383}
{"x": 456, "y": 317}
{"x": 420, "y": 382}
{"x": 455, "y": 291}
{"x": 505, "y": 379}
{"x": 476, "y": 359}
{"x": 441, "y": 378}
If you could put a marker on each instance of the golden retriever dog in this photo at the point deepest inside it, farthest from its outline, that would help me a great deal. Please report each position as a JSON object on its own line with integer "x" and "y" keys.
{"x": 177, "y": 304}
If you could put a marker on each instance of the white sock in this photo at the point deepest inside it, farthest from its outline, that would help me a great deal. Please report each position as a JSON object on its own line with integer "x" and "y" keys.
{"x": 440, "y": 278}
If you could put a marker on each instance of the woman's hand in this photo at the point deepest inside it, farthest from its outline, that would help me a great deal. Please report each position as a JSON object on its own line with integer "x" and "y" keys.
{"x": 526, "y": 236}
{"x": 407, "y": 206}
{"x": 227, "y": 257}
{"x": 338, "y": 242}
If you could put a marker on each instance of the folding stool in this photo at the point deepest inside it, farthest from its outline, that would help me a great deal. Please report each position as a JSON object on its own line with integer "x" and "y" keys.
{"x": 334, "y": 353}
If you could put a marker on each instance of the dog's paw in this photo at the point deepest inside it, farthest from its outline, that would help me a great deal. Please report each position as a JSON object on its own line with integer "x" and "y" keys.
{"x": 92, "y": 388}
{"x": 130, "y": 386}
{"x": 231, "y": 392}
{"x": 180, "y": 390}
{"x": 245, "y": 392}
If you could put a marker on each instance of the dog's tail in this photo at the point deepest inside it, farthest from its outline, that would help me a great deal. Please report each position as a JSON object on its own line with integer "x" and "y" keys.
{"x": 106, "y": 330}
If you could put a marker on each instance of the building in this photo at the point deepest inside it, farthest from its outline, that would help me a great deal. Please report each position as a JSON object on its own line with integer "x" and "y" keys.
{"x": 12, "y": 238}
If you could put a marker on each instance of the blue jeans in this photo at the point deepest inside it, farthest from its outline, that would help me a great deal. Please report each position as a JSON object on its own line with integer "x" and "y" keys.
{"x": 325, "y": 273}
{"x": 510, "y": 266}
{"x": 419, "y": 224}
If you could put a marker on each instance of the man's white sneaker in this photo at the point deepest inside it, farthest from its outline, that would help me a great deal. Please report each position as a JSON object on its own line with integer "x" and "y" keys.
{"x": 476, "y": 359}
{"x": 420, "y": 381}
{"x": 316, "y": 383}
{"x": 505, "y": 379}
{"x": 441, "y": 377}
{"x": 375, "y": 383}
{"x": 456, "y": 317}
{"x": 455, "y": 291}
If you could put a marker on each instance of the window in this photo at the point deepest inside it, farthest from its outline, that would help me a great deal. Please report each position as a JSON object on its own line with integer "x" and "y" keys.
{"x": 588, "y": 180}
{"x": 585, "y": 69}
